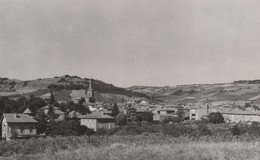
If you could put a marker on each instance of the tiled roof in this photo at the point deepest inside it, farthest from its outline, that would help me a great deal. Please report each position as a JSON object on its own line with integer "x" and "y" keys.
{"x": 18, "y": 118}
{"x": 96, "y": 115}
{"x": 166, "y": 115}
{"x": 27, "y": 111}
{"x": 74, "y": 113}
{"x": 241, "y": 112}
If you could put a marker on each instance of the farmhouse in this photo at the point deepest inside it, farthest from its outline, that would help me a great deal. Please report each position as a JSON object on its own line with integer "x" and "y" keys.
{"x": 196, "y": 113}
{"x": 242, "y": 116}
{"x": 97, "y": 120}
{"x": 18, "y": 126}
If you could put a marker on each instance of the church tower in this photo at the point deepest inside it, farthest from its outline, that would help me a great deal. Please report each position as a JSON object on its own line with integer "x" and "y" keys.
{"x": 90, "y": 93}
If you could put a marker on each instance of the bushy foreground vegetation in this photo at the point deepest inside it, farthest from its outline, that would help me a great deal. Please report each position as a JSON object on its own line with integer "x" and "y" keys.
{"x": 141, "y": 135}
{"x": 153, "y": 146}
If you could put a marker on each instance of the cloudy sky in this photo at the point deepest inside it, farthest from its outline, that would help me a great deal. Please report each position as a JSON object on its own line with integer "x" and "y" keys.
{"x": 131, "y": 42}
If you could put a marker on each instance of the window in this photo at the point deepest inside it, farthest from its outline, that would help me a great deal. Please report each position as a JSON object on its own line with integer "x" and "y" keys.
{"x": 31, "y": 130}
{"x": 22, "y": 129}
{"x": 193, "y": 114}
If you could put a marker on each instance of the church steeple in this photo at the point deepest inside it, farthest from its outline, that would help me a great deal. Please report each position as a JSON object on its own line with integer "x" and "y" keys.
{"x": 90, "y": 86}
{"x": 89, "y": 93}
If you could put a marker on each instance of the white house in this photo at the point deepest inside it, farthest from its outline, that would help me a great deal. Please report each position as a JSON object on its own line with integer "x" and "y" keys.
{"x": 196, "y": 113}
{"x": 17, "y": 126}
{"x": 97, "y": 120}
{"x": 242, "y": 116}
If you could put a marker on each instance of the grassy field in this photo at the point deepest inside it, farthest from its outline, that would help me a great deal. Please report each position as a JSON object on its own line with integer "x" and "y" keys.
{"x": 183, "y": 151}
{"x": 138, "y": 147}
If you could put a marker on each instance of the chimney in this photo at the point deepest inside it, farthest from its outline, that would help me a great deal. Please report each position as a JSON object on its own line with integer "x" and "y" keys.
{"x": 15, "y": 115}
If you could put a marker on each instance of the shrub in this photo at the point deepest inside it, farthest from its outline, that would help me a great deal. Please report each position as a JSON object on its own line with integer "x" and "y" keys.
{"x": 102, "y": 131}
{"x": 235, "y": 130}
{"x": 121, "y": 119}
{"x": 89, "y": 132}
{"x": 177, "y": 130}
{"x": 82, "y": 130}
{"x": 64, "y": 128}
{"x": 115, "y": 110}
{"x": 254, "y": 130}
{"x": 171, "y": 120}
{"x": 216, "y": 117}
{"x": 147, "y": 116}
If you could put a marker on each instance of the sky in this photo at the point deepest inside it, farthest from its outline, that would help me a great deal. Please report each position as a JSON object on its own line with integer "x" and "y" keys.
{"x": 131, "y": 42}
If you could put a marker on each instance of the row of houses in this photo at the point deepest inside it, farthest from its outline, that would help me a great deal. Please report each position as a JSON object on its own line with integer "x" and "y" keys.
{"x": 23, "y": 125}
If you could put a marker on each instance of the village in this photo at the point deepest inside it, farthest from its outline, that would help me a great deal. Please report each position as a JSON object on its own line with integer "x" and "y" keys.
{"x": 104, "y": 115}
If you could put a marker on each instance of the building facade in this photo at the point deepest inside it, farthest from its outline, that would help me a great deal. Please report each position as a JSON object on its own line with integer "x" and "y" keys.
{"x": 241, "y": 117}
{"x": 18, "y": 126}
{"x": 198, "y": 113}
{"x": 97, "y": 120}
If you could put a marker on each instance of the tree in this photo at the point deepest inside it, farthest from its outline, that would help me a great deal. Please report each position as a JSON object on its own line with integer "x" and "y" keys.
{"x": 82, "y": 130}
{"x": 121, "y": 119}
{"x": 122, "y": 100}
{"x": 10, "y": 106}
{"x": 235, "y": 130}
{"x": 247, "y": 105}
{"x": 147, "y": 116}
{"x": 89, "y": 132}
{"x": 21, "y": 104}
{"x": 216, "y": 117}
{"x": 35, "y": 103}
{"x": 115, "y": 110}
{"x": 132, "y": 115}
{"x": 52, "y": 99}
{"x": 181, "y": 115}
{"x": 63, "y": 128}
{"x": 171, "y": 120}
{"x": 42, "y": 124}
{"x": 51, "y": 114}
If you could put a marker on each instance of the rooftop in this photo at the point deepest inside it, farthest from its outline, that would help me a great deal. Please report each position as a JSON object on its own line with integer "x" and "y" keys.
{"x": 18, "y": 118}
{"x": 27, "y": 111}
{"x": 241, "y": 112}
{"x": 96, "y": 115}
{"x": 166, "y": 115}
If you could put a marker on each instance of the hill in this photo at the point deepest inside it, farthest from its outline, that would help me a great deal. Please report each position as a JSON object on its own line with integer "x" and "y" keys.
{"x": 63, "y": 86}
{"x": 235, "y": 92}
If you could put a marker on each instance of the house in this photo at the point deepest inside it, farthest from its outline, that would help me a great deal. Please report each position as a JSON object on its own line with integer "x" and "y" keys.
{"x": 18, "y": 126}
{"x": 27, "y": 111}
{"x": 169, "y": 110}
{"x": 162, "y": 117}
{"x": 59, "y": 115}
{"x": 74, "y": 114}
{"x": 143, "y": 102}
{"x": 97, "y": 120}
{"x": 197, "y": 113}
{"x": 241, "y": 116}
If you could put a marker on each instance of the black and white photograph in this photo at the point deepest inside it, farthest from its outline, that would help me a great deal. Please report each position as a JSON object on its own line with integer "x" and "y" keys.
{"x": 129, "y": 80}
